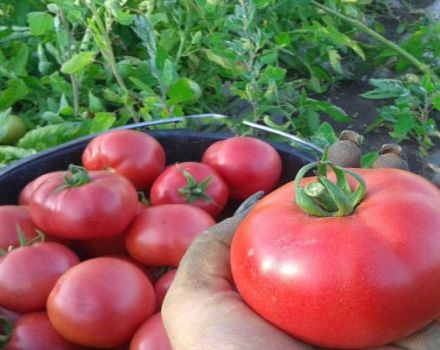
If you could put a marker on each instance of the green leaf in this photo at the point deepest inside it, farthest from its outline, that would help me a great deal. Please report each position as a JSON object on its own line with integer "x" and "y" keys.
{"x": 52, "y": 135}
{"x": 102, "y": 121}
{"x": 16, "y": 90}
{"x": 282, "y": 39}
{"x": 169, "y": 73}
{"x": 222, "y": 61}
{"x": 436, "y": 102}
{"x": 95, "y": 104}
{"x": 78, "y": 62}
{"x": 184, "y": 90}
{"x": 272, "y": 73}
{"x": 368, "y": 159}
{"x": 9, "y": 154}
{"x": 333, "y": 111}
{"x": 335, "y": 60}
{"x": 325, "y": 135}
{"x": 385, "y": 88}
{"x": 4, "y": 121}
{"x": 40, "y": 23}
{"x": 406, "y": 121}
{"x": 20, "y": 54}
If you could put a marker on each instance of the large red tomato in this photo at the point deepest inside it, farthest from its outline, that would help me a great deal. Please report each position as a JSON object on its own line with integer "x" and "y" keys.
{"x": 247, "y": 165}
{"x": 137, "y": 156}
{"x": 356, "y": 281}
{"x": 162, "y": 285}
{"x": 14, "y": 218}
{"x": 27, "y": 192}
{"x": 83, "y": 205}
{"x": 191, "y": 182}
{"x": 101, "y": 302}
{"x": 33, "y": 331}
{"x": 151, "y": 336}
{"x": 28, "y": 273}
{"x": 160, "y": 235}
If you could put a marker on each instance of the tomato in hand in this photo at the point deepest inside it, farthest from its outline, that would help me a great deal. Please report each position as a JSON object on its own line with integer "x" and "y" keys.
{"x": 193, "y": 183}
{"x": 33, "y": 331}
{"x": 14, "y": 218}
{"x": 151, "y": 336}
{"x": 28, "y": 273}
{"x": 247, "y": 165}
{"x": 160, "y": 235}
{"x": 84, "y": 205}
{"x": 162, "y": 285}
{"x": 133, "y": 154}
{"x": 337, "y": 273}
{"x": 101, "y": 302}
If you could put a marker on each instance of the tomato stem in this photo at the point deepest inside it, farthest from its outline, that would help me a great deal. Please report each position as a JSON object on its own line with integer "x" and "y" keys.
{"x": 325, "y": 198}
{"x": 194, "y": 190}
{"x": 76, "y": 176}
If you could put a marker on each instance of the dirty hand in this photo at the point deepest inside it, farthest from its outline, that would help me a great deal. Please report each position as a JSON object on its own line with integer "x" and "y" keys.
{"x": 202, "y": 309}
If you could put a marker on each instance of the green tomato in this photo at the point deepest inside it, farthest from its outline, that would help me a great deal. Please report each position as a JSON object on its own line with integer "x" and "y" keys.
{"x": 12, "y": 130}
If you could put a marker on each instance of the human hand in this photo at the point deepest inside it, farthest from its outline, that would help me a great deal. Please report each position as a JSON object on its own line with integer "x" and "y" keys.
{"x": 203, "y": 310}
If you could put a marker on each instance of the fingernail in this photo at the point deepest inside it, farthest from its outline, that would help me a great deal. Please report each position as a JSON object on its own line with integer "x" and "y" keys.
{"x": 249, "y": 202}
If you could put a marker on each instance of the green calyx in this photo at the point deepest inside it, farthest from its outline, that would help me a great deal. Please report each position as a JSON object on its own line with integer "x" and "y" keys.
{"x": 194, "y": 190}
{"x": 325, "y": 198}
{"x": 76, "y": 176}
{"x": 6, "y": 327}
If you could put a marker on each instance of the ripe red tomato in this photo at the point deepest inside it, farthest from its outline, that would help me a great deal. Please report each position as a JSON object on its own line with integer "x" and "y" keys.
{"x": 28, "y": 273}
{"x": 101, "y": 302}
{"x": 247, "y": 165}
{"x": 160, "y": 235}
{"x": 12, "y": 217}
{"x": 162, "y": 285}
{"x": 28, "y": 190}
{"x": 151, "y": 336}
{"x": 102, "y": 206}
{"x": 356, "y": 281}
{"x": 33, "y": 331}
{"x": 193, "y": 183}
{"x": 137, "y": 156}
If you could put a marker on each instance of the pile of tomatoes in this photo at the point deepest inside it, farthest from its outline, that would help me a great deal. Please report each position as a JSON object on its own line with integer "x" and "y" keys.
{"x": 99, "y": 276}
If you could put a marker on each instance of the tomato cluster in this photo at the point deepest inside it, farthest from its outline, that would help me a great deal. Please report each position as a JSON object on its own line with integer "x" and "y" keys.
{"x": 99, "y": 277}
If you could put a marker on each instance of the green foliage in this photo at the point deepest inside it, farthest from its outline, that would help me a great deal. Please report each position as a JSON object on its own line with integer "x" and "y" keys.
{"x": 71, "y": 68}
{"x": 410, "y": 116}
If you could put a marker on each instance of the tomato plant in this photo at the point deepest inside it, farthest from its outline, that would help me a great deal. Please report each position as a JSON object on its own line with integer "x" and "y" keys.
{"x": 247, "y": 165}
{"x": 160, "y": 235}
{"x": 33, "y": 331}
{"x": 162, "y": 285}
{"x": 28, "y": 273}
{"x": 101, "y": 302}
{"x": 151, "y": 335}
{"x": 135, "y": 155}
{"x": 14, "y": 218}
{"x": 191, "y": 182}
{"x": 339, "y": 271}
{"x": 82, "y": 205}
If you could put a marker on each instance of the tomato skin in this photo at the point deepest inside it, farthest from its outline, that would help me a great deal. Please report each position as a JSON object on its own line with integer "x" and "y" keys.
{"x": 133, "y": 154}
{"x": 165, "y": 189}
{"x": 10, "y": 217}
{"x": 28, "y": 273}
{"x": 101, "y": 208}
{"x": 33, "y": 331}
{"x": 27, "y": 192}
{"x": 101, "y": 302}
{"x": 247, "y": 165}
{"x": 160, "y": 235}
{"x": 151, "y": 335}
{"x": 358, "y": 281}
{"x": 162, "y": 285}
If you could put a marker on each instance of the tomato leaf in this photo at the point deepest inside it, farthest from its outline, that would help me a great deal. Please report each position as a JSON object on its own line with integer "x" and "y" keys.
{"x": 102, "y": 121}
{"x": 184, "y": 90}
{"x": 40, "y": 23}
{"x": 78, "y": 62}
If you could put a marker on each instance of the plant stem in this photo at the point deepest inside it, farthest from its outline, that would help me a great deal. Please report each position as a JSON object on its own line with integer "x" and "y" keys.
{"x": 361, "y": 26}
{"x": 73, "y": 80}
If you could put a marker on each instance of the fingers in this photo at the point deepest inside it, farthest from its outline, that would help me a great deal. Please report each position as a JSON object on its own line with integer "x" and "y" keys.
{"x": 426, "y": 339}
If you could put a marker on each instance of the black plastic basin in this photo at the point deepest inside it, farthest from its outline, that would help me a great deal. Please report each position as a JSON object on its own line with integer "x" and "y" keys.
{"x": 180, "y": 145}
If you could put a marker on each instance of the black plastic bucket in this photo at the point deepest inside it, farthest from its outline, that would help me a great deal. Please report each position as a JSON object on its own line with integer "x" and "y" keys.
{"x": 180, "y": 145}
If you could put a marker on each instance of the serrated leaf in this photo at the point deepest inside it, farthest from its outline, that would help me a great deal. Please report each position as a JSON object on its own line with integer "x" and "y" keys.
{"x": 184, "y": 90}
{"x": 52, "y": 135}
{"x": 40, "y": 23}
{"x": 10, "y": 154}
{"x": 102, "y": 121}
{"x": 272, "y": 73}
{"x": 385, "y": 88}
{"x": 335, "y": 60}
{"x": 333, "y": 111}
{"x": 78, "y": 62}
{"x": 405, "y": 123}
